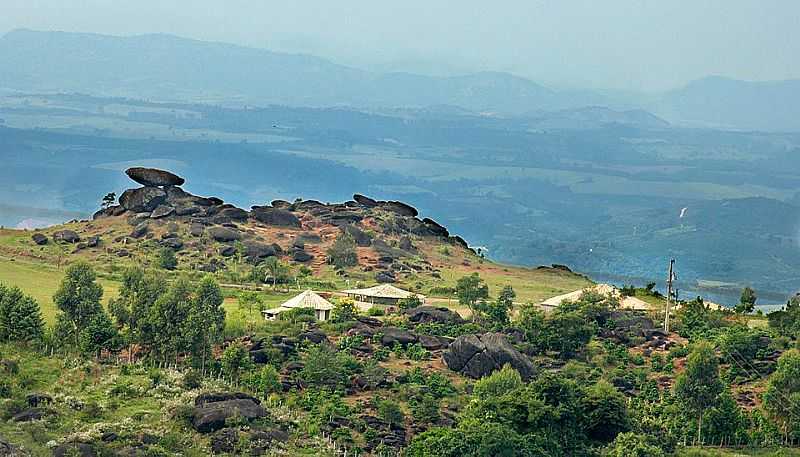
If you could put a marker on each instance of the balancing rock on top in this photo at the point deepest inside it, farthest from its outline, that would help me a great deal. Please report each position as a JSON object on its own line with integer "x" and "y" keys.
{"x": 153, "y": 177}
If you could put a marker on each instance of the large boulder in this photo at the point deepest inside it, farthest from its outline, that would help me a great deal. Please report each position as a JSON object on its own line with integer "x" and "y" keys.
{"x": 74, "y": 450}
{"x": 39, "y": 239}
{"x": 299, "y": 255}
{"x": 224, "y": 234}
{"x": 211, "y": 410}
{"x": 399, "y": 208}
{"x": 274, "y": 216}
{"x": 140, "y": 230}
{"x": 162, "y": 211}
{"x": 66, "y": 236}
{"x": 394, "y": 335}
{"x": 476, "y": 356}
{"x": 361, "y": 237}
{"x": 363, "y": 200}
{"x": 154, "y": 177}
{"x": 143, "y": 199}
{"x": 31, "y": 414}
{"x": 426, "y": 313}
{"x": 435, "y": 228}
{"x": 233, "y": 213}
{"x": 255, "y": 250}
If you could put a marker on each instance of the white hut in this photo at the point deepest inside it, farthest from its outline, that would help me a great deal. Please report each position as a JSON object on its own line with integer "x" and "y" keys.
{"x": 382, "y": 294}
{"x": 308, "y": 299}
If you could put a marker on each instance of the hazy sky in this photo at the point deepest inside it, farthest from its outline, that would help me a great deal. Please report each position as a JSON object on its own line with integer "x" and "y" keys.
{"x": 623, "y": 44}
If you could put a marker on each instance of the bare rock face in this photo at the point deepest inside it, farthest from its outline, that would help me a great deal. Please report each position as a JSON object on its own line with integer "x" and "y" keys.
{"x": 162, "y": 211}
{"x": 211, "y": 410}
{"x": 143, "y": 199}
{"x": 224, "y": 234}
{"x": 365, "y": 201}
{"x": 154, "y": 177}
{"x": 274, "y": 216}
{"x": 477, "y": 356}
{"x": 427, "y": 314}
{"x": 66, "y": 236}
{"x": 399, "y": 208}
{"x": 39, "y": 239}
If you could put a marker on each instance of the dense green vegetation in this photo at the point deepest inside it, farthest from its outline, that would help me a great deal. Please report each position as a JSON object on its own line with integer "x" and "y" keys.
{"x": 124, "y": 378}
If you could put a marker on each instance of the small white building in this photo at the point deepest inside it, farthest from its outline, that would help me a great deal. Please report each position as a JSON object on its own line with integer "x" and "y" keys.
{"x": 308, "y": 299}
{"x": 382, "y": 294}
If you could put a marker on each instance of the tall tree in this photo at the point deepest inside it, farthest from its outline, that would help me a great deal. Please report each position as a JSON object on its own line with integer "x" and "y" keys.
{"x": 206, "y": 320}
{"x": 78, "y": 298}
{"x": 470, "y": 289}
{"x": 168, "y": 319}
{"x": 20, "y": 316}
{"x": 782, "y": 396}
{"x": 747, "y": 302}
{"x": 131, "y": 309}
{"x": 99, "y": 334}
{"x": 699, "y": 385}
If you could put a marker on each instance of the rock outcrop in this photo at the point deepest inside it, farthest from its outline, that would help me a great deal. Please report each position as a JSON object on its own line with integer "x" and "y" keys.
{"x": 211, "y": 410}
{"x": 425, "y": 314}
{"x": 274, "y": 216}
{"x": 476, "y": 356}
{"x": 153, "y": 177}
{"x": 143, "y": 199}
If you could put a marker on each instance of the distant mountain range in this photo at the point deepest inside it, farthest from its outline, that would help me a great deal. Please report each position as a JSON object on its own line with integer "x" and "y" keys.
{"x": 165, "y": 67}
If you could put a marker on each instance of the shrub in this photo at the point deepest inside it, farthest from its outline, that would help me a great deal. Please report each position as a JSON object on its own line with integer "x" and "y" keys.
{"x": 375, "y": 312}
{"x": 390, "y": 412}
{"x": 193, "y": 379}
{"x": 265, "y": 381}
{"x": 167, "y": 259}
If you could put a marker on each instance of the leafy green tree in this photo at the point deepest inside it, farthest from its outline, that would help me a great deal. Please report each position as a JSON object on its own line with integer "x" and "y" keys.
{"x": 606, "y": 413}
{"x": 697, "y": 319}
{"x": 324, "y": 367}
{"x": 782, "y": 395}
{"x": 343, "y": 253}
{"x": 276, "y": 270}
{"x": 632, "y": 445}
{"x": 167, "y": 259}
{"x": 747, "y": 302}
{"x": 501, "y": 382}
{"x": 78, "y": 298}
{"x": 725, "y": 423}
{"x": 20, "y": 316}
{"x": 131, "y": 309}
{"x": 248, "y": 300}
{"x": 265, "y": 381}
{"x": 206, "y": 320}
{"x": 235, "y": 361}
{"x": 533, "y": 324}
{"x": 108, "y": 200}
{"x": 470, "y": 289}
{"x": 425, "y": 408}
{"x": 344, "y": 310}
{"x": 507, "y": 296}
{"x": 699, "y": 385}
{"x": 390, "y": 412}
{"x": 411, "y": 302}
{"x": 167, "y": 321}
{"x": 99, "y": 334}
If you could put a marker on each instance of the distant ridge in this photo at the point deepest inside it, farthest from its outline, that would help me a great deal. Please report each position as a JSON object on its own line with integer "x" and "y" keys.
{"x": 170, "y": 68}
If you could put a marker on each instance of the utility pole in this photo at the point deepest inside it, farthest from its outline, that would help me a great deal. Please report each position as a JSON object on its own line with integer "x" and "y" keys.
{"x": 670, "y": 278}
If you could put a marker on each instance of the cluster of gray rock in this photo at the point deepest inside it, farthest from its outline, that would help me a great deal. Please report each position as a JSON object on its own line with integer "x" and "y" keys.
{"x": 162, "y": 198}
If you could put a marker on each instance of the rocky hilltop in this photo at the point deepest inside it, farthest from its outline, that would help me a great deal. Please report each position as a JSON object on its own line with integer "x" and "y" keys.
{"x": 210, "y": 231}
